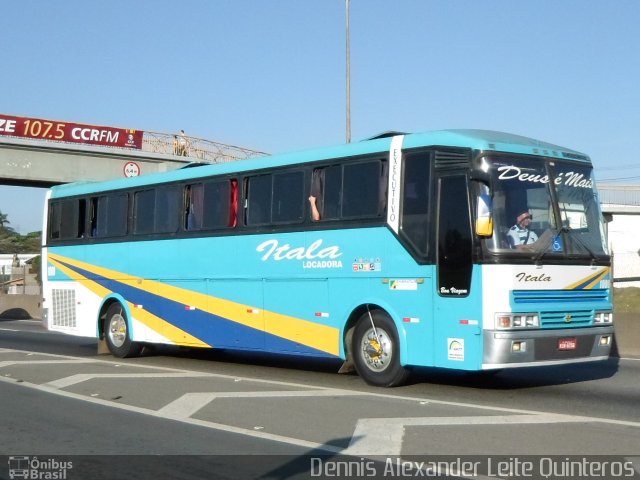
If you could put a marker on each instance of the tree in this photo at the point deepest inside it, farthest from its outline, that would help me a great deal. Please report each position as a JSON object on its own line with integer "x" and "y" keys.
{"x": 4, "y": 219}
{"x": 12, "y": 242}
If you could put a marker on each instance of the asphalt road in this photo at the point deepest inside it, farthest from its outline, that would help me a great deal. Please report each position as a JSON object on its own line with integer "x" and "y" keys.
{"x": 188, "y": 413}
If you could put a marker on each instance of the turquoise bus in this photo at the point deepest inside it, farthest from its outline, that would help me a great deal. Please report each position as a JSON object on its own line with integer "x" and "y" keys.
{"x": 390, "y": 253}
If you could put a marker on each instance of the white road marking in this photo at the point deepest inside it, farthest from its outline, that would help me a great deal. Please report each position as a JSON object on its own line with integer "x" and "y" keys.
{"x": 8, "y": 363}
{"x": 83, "y": 377}
{"x": 190, "y": 403}
{"x": 187, "y": 405}
{"x": 383, "y": 436}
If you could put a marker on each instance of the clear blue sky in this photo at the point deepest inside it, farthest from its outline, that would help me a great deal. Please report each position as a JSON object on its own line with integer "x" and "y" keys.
{"x": 270, "y": 74}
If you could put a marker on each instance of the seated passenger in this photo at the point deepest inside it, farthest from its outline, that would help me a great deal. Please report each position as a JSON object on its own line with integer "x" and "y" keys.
{"x": 520, "y": 234}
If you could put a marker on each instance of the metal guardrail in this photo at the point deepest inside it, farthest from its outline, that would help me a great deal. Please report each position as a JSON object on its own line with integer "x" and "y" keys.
{"x": 198, "y": 149}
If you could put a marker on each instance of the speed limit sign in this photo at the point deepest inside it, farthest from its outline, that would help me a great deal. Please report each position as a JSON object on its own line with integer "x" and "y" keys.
{"x": 131, "y": 169}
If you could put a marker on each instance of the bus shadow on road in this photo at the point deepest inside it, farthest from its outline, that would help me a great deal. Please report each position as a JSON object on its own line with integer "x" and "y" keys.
{"x": 517, "y": 378}
{"x": 505, "y": 379}
{"x": 244, "y": 358}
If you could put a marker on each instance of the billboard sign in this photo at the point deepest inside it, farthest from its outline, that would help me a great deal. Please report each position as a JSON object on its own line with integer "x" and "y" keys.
{"x": 36, "y": 128}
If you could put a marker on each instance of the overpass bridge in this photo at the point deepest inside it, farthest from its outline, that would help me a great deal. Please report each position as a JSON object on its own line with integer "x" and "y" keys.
{"x": 620, "y": 206}
{"x": 42, "y": 163}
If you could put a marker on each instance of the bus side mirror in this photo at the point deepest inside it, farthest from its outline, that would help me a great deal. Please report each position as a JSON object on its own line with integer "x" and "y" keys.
{"x": 484, "y": 214}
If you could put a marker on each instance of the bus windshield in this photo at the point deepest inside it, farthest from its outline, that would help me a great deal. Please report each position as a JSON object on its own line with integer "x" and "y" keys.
{"x": 545, "y": 208}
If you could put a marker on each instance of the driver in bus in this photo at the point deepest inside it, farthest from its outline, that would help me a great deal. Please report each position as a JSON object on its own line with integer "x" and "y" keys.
{"x": 520, "y": 234}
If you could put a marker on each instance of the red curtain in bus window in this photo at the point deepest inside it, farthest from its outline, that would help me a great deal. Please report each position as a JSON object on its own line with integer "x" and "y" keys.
{"x": 233, "y": 210}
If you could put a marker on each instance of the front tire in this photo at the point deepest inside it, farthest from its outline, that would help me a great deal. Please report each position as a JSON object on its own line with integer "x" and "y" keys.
{"x": 117, "y": 334}
{"x": 376, "y": 351}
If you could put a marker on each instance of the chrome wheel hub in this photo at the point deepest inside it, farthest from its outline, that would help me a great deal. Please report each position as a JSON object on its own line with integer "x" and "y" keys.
{"x": 117, "y": 330}
{"x": 376, "y": 350}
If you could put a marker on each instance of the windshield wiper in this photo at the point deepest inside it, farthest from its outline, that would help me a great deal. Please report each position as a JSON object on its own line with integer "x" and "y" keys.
{"x": 554, "y": 236}
{"x": 548, "y": 241}
{"x": 580, "y": 242}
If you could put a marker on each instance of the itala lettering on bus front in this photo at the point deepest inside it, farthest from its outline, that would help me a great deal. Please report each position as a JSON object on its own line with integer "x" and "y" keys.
{"x": 313, "y": 256}
{"x": 569, "y": 179}
{"x": 523, "y": 277}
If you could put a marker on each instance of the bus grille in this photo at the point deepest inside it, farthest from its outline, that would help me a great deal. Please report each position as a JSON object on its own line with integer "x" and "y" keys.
{"x": 454, "y": 158}
{"x": 562, "y": 308}
{"x": 564, "y": 297}
{"x": 566, "y": 318}
{"x": 64, "y": 308}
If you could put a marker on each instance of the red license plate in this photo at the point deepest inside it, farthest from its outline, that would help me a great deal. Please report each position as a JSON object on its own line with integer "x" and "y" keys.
{"x": 567, "y": 344}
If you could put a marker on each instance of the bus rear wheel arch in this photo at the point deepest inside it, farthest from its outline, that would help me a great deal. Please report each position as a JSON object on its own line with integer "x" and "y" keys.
{"x": 375, "y": 349}
{"x": 117, "y": 333}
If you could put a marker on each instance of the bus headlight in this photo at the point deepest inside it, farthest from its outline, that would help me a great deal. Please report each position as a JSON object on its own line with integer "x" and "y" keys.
{"x": 507, "y": 321}
{"x": 602, "y": 318}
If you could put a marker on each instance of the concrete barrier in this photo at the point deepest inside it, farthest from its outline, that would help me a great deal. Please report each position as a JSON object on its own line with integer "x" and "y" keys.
{"x": 627, "y": 334}
{"x": 20, "y": 307}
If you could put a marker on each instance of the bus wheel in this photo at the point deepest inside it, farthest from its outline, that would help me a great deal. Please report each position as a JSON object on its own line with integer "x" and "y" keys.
{"x": 376, "y": 350}
{"x": 116, "y": 332}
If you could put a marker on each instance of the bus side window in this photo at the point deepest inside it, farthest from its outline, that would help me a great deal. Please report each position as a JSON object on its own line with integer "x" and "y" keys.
{"x": 67, "y": 219}
{"x": 217, "y": 200}
{"x": 415, "y": 200}
{"x": 326, "y": 190}
{"x": 108, "y": 215}
{"x": 211, "y": 205}
{"x": 55, "y": 212}
{"x": 116, "y": 215}
{"x": 288, "y": 202}
{"x": 354, "y": 190}
{"x": 258, "y": 200}
{"x": 364, "y": 189}
{"x": 143, "y": 207}
{"x": 167, "y": 209}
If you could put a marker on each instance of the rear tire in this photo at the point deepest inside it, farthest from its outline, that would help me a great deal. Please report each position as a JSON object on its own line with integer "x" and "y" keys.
{"x": 117, "y": 333}
{"x": 376, "y": 352}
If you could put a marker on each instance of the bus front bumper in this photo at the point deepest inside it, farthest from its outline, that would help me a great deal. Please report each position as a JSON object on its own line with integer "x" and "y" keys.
{"x": 504, "y": 349}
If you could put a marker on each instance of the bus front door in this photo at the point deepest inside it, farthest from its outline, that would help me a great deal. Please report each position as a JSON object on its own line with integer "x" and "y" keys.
{"x": 458, "y": 299}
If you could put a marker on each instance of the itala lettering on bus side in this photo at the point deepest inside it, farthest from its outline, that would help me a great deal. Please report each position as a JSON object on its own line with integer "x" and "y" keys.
{"x": 273, "y": 250}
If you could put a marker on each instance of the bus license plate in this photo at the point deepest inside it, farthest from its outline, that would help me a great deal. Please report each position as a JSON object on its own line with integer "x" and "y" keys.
{"x": 567, "y": 344}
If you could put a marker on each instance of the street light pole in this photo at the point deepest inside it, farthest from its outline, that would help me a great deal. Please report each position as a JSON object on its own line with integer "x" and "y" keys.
{"x": 348, "y": 60}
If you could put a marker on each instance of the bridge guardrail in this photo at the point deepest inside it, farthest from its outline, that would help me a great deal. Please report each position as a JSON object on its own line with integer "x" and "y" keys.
{"x": 197, "y": 148}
